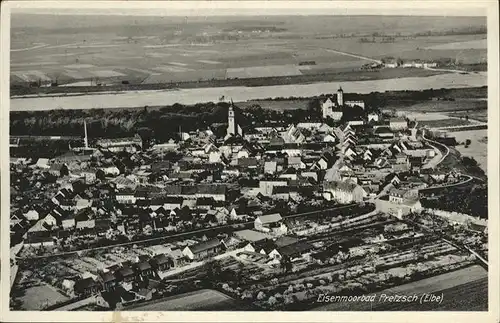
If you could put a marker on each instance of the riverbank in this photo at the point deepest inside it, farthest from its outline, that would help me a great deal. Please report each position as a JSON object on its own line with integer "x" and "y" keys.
{"x": 340, "y": 76}
{"x": 242, "y": 93}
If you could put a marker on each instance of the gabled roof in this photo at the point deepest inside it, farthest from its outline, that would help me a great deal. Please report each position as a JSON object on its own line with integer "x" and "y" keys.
{"x": 270, "y": 218}
{"x": 203, "y": 246}
{"x": 345, "y": 186}
{"x": 295, "y": 249}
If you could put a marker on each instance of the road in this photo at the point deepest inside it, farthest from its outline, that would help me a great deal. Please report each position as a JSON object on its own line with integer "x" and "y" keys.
{"x": 180, "y": 235}
{"x": 353, "y": 55}
{"x": 433, "y": 143}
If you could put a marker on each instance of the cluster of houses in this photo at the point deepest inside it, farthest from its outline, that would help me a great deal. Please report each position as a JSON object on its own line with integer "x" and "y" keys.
{"x": 347, "y": 163}
{"x": 393, "y": 63}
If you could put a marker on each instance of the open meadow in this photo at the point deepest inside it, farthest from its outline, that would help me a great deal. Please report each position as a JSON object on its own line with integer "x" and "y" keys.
{"x": 478, "y": 149}
{"x": 113, "y": 50}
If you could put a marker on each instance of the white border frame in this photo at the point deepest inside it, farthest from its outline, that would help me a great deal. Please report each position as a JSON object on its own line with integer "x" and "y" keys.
{"x": 429, "y": 7}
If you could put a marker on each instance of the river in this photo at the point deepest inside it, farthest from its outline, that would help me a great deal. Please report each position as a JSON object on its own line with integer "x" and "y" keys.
{"x": 240, "y": 93}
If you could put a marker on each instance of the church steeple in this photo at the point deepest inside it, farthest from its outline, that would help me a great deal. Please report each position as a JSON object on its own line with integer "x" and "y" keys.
{"x": 340, "y": 97}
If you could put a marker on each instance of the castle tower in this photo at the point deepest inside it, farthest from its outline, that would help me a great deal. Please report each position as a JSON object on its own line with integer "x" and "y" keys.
{"x": 340, "y": 97}
{"x": 86, "y": 139}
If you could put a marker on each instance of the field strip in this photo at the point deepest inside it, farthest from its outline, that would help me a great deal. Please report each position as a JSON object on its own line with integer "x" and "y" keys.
{"x": 29, "y": 48}
{"x": 33, "y": 64}
{"x": 427, "y": 285}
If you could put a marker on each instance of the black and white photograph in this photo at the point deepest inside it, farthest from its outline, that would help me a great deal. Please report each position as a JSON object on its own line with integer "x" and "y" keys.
{"x": 242, "y": 159}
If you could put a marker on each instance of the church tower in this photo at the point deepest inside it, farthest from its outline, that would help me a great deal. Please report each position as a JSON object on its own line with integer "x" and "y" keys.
{"x": 86, "y": 140}
{"x": 340, "y": 97}
{"x": 231, "y": 123}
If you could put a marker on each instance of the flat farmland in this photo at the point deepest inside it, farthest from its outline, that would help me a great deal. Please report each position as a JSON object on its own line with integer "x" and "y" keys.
{"x": 464, "y": 288}
{"x": 202, "y": 300}
{"x": 448, "y": 106}
{"x": 112, "y": 50}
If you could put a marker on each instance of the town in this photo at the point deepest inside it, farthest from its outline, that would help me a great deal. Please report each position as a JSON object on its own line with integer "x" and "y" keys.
{"x": 267, "y": 216}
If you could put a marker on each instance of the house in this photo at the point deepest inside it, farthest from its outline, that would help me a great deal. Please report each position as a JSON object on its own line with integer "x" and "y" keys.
{"x": 38, "y": 241}
{"x": 416, "y": 163}
{"x": 161, "y": 262}
{"x": 325, "y": 161}
{"x": 204, "y": 249}
{"x": 42, "y": 163}
{"x": 270, "y": 167}
{"x": 250, "y": 235}
{"x": 373, "y": 117}
{"x": 329, "y": 137}
{"x": 398, "y": 124}
{"x": 111, "y": 170}
{"x": 266, "y": 186}
{"x": 32, "y": 215}
{"x": 384, "y": 133}
{"x": 397, "y": 206}
{"x": 272, "y": 223}
{"x": 125, "y": 196}
{"x": 144, "y": 270}
{"x": 108, "y": 280}
{"x": 344, "y": 192}
{"x": 125, "y": 274}
{"x": 55, "y": 169}
{"x": 68, "y": 222}
{"x": 296, "y": 162}
{"x": 292, "y": 251}
{"x": 86, "y": 287}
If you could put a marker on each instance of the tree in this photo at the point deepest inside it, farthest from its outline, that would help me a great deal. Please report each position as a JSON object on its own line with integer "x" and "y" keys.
{"x": 467, "y": 142}
{"x": 286, "y": 264}
{"x": 100, "y": 174}
{"x": 64, "y": 170}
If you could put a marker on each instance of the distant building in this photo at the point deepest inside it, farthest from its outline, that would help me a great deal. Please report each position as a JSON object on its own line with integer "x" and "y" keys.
{"x": 398, "y": 124}
{"x": 272, "y": 223}
{"x": 204, "y": 250}
{"x": 344, "y": 192}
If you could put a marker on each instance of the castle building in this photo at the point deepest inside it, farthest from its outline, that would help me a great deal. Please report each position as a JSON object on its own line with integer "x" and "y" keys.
{"x": 334, "y": 109}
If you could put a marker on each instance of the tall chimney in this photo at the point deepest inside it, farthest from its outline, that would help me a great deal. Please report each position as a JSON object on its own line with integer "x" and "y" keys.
{"x": 86, "y": 140}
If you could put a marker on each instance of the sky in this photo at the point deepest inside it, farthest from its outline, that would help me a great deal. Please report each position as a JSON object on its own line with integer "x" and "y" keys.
{"x": 252, "y": 8}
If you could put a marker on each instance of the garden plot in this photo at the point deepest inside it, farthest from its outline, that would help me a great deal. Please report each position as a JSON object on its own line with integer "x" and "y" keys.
{"x": 39, "y": 297}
